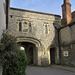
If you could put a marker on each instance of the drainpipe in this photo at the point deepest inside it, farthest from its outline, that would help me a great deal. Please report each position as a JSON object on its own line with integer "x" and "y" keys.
{"x": 58, "y": 30}
{"x": 7, "y": 12}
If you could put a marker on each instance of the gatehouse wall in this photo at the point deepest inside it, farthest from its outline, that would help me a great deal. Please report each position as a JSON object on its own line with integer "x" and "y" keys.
{"x": 42, "y": 29}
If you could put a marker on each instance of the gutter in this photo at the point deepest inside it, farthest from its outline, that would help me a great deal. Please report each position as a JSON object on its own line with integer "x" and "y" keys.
{"x": 7, "y": 12}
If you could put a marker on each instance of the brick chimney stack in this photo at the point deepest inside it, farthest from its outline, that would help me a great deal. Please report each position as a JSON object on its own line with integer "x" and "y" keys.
{"x": 66, "y": 13}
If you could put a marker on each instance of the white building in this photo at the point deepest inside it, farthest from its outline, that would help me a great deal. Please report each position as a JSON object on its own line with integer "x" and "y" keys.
{"x": 4, "y": 6}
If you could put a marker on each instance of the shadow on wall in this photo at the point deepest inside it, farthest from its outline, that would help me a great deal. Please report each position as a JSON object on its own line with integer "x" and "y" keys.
{"x": 55, "y": 53}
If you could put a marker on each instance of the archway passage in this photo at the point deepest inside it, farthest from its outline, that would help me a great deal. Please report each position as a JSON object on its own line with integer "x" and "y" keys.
{"x": 52, "y": 55}
{"x": 30, "y": 55}
{"x": 31, "y": 52}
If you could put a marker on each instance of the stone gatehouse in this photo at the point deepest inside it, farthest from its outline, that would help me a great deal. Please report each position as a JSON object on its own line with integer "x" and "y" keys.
{"x": 45, "y": 38}
{"x": 37, "y": 33}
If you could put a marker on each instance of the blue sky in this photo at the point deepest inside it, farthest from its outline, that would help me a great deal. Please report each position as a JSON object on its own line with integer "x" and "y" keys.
{"x": 47, "y": 6}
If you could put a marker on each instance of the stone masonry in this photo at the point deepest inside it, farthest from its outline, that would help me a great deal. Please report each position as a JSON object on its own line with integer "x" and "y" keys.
{"x": 38, "y": 21}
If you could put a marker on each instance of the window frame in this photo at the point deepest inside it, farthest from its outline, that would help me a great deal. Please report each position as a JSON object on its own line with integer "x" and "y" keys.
{"x": 20, "y": 27}
{"x": 46, "y": 28}
{"x": 30, "y": 27}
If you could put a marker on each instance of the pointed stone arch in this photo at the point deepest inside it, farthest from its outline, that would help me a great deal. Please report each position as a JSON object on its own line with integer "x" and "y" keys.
{"x": 36, "y": 43}
{"x": 56, "y": 50}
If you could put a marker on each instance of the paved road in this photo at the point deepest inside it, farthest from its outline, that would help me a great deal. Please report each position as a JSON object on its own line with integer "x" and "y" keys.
{"x": 33, "y": 70}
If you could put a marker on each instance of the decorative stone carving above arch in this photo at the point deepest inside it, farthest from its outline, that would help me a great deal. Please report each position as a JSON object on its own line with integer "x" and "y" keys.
{"x": 25, "y": 25}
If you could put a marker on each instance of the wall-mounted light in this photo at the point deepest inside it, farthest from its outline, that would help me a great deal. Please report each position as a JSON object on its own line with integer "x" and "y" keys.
{"x": 22, "y": 48}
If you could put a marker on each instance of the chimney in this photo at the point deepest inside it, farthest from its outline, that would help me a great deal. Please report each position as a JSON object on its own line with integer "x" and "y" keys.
{"x": 66, "y": 13}
{"x": 66, "y": 1}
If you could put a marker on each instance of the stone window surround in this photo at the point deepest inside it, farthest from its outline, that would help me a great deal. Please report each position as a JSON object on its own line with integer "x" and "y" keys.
{"x": 23, "y": 21}
{"x": 20, "y": 26}
{"x": 46, "y": 30}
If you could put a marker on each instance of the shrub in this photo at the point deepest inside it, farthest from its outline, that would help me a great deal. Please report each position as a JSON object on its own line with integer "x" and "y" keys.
{"x": 13, "y": 60}
{"x": 15, "y": 65}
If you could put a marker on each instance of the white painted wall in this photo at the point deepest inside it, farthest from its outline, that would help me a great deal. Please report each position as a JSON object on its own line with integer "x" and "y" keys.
{"x": 2, "y": 16}
{"x": 2, "y": 22}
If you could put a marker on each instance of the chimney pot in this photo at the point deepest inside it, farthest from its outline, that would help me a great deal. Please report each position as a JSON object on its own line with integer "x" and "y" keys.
{"x": 66, "y": 1}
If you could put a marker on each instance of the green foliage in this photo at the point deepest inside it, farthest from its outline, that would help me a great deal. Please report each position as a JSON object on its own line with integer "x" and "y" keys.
{"x": 8, "y": 46}
{"x": 13, "y": 60}
{"x": 15, "y": 65}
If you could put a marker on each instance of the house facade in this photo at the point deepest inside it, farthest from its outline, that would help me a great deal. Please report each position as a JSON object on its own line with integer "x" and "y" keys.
{"x": 67, "y": 35}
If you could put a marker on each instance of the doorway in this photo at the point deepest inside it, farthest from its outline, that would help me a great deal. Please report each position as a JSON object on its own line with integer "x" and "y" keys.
{"x": 31, "y": 52}
{"x": 31, "y": 55}
{"x": 52, "y": 55}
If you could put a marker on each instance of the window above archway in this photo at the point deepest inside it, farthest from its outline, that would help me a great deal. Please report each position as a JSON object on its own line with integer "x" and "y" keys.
{"x": 30, "y": 27}
{"x": 20, "y": 26}
{"x": 24, "y": 26}
{"x": 46, "y": 28}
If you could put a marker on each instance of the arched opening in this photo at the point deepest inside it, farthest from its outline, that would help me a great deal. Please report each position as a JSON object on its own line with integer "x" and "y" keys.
{"x": 31, "y": 55}
{"x": 32, "y": 42}
{"x": 52, "y": 55}
{"x": 31, "y": 52}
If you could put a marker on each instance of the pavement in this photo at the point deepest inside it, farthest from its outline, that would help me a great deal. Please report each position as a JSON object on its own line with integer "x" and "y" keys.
{"x": 51, "y": 70}
{"x": 66, "y": 68}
